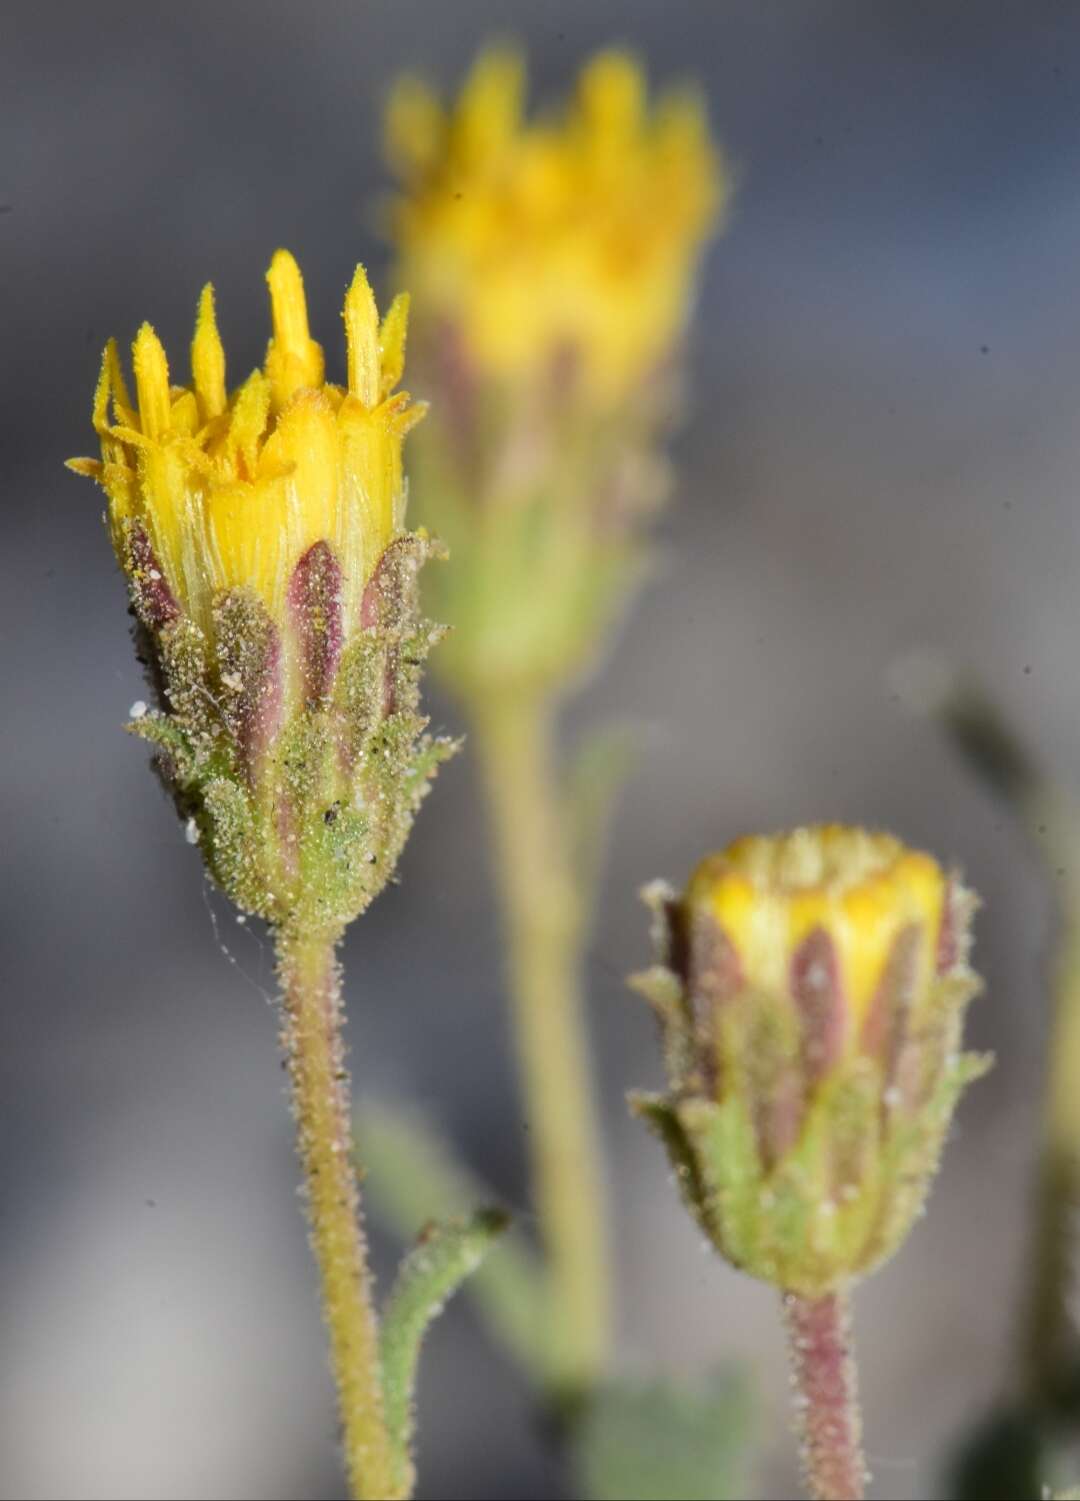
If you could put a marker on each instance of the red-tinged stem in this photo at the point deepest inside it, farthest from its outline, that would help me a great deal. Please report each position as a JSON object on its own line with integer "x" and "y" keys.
{"x": 827, "y": 1402}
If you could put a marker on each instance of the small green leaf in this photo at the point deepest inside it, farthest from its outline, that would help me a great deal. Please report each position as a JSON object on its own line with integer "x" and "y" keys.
{"x": 662, "y": 1118}
{"x": 442, "y": 1259}
{"x": 653, "y": 1440}
{"x": 163, "y": 731}
{"x": 411, "y": 1175}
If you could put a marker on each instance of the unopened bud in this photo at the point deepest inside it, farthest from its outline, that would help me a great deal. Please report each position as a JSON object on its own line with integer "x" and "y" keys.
{"x": 811, "y": 989}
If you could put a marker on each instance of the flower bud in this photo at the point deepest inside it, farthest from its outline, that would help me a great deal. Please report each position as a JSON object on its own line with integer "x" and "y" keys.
{"x": 274, "y": 587}
{"x": 811, "y": 989}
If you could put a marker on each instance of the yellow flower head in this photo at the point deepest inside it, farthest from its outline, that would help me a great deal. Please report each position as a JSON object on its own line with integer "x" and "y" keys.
{"x": 576, "y": 236}
{"x": 211, "y": 491}
{"x": 861, "y": 891}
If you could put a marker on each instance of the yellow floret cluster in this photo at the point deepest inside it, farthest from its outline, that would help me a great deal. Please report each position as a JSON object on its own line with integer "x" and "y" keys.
{"x": 862, "y": 889}
{"x": 573, "y": 238}
{"x": 231, "y": 489}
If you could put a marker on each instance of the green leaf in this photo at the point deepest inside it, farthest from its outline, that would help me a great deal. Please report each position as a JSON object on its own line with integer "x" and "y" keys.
{"x": 411, "y": 1176}
{"x": 662, "y": 1118}
{"x": 653, "y": 1440}
{"x": 444, "y": 1256}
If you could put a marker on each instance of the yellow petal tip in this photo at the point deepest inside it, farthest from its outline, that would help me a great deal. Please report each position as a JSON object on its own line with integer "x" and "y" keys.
{"x": 362, "y": 337}
{"x": 392, "y": 335}
{"x": 151, "y": 382}
{"x": 208, "y": 358}
{"x": 288, "y": 305}
{"x": 294, "y": 360}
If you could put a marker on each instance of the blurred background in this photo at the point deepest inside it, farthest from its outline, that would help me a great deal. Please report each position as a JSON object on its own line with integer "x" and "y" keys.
{"x": 880, "y": 454}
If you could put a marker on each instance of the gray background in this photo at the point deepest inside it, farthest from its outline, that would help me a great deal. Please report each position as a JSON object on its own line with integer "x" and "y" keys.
{"x": 881, "y": 452}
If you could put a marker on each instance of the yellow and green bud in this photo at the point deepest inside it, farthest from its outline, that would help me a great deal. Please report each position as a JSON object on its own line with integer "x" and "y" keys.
{"x": 273, "y": 582}
{"x": 811, "y": 989}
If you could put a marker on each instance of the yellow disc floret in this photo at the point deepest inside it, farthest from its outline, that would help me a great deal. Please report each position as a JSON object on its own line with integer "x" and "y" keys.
{"x": 230, "y": 491}
{"x": 575, "y": 236}
{"x": 861, "y": 889}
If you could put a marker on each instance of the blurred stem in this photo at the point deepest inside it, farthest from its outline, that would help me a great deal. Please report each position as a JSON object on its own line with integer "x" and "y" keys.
{"x": 827, "y": 1401}
{"x": 996, "y": 753}
{"x": 315, "y": 1055}
{"x": 1047, "y": 1337}
{"x": 542, "y": 910}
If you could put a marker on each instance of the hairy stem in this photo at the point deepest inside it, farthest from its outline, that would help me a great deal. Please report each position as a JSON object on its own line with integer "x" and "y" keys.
{"x": 823, "y": 1370}
{"x": 542, "y": 907}
{"x": 315, "y": 1055}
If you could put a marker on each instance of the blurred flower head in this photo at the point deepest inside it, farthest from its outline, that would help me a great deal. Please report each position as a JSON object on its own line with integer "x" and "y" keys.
{"x": 552, "y": 262}
{"x": 812, "y": 989}
{"x": 568, "y": 239}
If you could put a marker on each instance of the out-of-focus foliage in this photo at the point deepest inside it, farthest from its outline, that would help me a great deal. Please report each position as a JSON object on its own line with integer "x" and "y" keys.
{"x": 654, "y": 1440}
